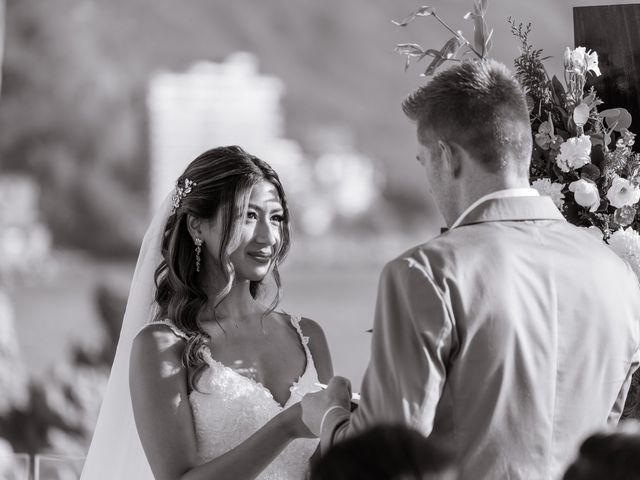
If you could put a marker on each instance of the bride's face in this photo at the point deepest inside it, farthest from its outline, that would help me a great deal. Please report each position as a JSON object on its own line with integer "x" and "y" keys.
{"x": 259, "y": 234}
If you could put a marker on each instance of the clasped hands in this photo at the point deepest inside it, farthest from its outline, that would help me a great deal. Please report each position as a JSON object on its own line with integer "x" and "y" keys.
{"x": 316, "y": 405}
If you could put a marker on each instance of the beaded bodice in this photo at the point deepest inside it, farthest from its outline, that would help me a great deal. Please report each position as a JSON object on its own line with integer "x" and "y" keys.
{"x": 229, "y": 407}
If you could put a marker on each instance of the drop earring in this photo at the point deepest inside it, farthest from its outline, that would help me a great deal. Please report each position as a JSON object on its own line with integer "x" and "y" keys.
{"x": 198, "y": 243}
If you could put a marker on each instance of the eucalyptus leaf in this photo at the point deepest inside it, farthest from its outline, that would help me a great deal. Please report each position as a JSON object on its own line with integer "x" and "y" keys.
{"x": 611, "y": 112}
{"x": 617, "y": 118}
{"x": 423, "y": 11}
{"x": 480, "y": 6}
{"x": 444, "y": 54}
{"x": 479, "y": 34}
{"x": 429, "y": 53}
{"x": 435, "y": 63}
{"x": 412, "y": 49}
{"x": 479, "y": 31}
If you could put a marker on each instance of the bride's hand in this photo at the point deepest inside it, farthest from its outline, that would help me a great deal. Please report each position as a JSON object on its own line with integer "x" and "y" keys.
{"x": 292, "y": 417}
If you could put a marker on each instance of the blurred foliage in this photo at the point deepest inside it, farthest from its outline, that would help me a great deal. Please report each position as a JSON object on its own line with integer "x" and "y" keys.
{"x": 73, "y": 105}
{"x": 63, "y": 405}
{"x": 111, "y": 304}
{"x": 70, "y": 117}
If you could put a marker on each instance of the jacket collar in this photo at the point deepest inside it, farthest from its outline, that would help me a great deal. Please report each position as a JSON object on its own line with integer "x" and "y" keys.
{"x": 513, "y": 209}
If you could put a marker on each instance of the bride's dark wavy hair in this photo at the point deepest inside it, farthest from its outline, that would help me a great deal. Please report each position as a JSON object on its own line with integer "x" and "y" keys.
{"x": 224, "y": 178}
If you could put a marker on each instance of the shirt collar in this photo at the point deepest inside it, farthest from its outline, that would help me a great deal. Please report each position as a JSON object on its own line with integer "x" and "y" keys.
{"x": 506, "y": 193}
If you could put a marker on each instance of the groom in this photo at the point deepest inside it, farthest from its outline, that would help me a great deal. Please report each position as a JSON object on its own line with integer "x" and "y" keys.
{"x": 512, "y": 336}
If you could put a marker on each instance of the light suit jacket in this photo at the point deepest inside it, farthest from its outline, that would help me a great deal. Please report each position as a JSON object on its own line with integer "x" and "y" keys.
{"x": 507, "y": 339}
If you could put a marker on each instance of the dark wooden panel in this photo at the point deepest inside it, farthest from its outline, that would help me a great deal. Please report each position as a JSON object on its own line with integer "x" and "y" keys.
{"x": 614, "y": 32}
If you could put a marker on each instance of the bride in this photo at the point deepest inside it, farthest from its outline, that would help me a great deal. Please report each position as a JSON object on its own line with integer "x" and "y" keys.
{"x": 215, "y": 376}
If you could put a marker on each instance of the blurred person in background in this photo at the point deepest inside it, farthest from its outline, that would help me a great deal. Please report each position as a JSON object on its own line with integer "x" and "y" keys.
{"x": 609, "y": 455}
{"x": 216, "y": 375}
{"x": 496, "y": 339}
{"x": 394, "y": 452}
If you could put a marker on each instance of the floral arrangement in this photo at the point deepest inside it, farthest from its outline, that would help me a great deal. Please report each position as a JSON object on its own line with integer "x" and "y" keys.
{"x": 582, "y": 158}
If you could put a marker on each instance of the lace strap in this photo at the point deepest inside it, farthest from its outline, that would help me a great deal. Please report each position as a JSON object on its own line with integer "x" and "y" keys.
{"x": 295, "y": 321}
{"x": 174, "y": 329}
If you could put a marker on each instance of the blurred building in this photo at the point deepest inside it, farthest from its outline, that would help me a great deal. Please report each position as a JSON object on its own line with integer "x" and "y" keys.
{"x": 231, "y": 103}
{"x": 215, "y": 104}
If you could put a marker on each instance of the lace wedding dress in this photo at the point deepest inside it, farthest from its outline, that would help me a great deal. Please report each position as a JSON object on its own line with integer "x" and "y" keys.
{"x": 229, "y": 410}
{"x": 230, "y": 407}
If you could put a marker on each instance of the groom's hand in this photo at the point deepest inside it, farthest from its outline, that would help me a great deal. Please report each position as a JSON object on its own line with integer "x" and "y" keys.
{"x": 314, "y": 405}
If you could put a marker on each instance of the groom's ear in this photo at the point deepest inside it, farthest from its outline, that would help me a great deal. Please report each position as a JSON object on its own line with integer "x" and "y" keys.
{"x": 451, "y": 156}
{"x": 194, "y": 225}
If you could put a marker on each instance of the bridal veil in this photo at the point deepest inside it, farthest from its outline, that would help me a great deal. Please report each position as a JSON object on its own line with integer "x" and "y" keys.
{"x": 116, "y": 452}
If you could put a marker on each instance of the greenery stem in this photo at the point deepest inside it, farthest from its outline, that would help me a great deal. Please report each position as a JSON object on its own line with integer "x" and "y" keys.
{"x": 457, "y": 34}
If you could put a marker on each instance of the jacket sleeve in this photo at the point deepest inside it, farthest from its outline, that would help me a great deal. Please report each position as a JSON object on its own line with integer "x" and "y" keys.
{"x": 630, "y": 388}
{"x": 410, "y": 349}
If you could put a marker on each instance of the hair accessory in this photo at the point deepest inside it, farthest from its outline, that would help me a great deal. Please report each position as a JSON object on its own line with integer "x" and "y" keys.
{"x": 181, "y": 192}
{"x": 198, "y": 242}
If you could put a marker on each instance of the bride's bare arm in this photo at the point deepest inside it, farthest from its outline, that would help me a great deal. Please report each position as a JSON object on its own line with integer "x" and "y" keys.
{"x": 319, "y": 348}
{"x": 159, "y": 393}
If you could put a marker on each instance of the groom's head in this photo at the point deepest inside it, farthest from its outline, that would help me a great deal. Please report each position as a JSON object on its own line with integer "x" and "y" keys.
{"x": 473, "y": 127}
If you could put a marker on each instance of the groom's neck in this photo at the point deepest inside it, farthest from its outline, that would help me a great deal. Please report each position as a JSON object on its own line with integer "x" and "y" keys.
{"x": 468, "y": 190}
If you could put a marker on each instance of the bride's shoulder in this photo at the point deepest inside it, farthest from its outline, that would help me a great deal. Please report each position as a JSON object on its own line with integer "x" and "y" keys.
{"x": 317, "y": 344}
{"x": 158, "y": 340}
{"x": 318, "y": 347}
{"x": 162, "y": 328}
{"x": 156, "y": 371}
{"x": 310, "y": 327}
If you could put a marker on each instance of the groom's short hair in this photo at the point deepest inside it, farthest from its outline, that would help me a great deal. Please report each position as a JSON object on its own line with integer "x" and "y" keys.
{"x": 480, "y": 106}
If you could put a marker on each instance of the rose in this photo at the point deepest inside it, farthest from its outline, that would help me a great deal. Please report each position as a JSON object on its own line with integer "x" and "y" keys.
{"x": 574, "y": 153}
{"x": 625, "y": 215}
{"x": 545, "y": 186}
{"x": 586, "y": 194}
{"x": 622, "y": 192}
